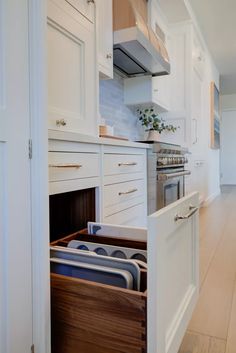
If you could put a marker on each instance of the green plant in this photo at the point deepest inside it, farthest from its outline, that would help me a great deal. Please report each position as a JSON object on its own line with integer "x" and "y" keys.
{"x": 151, "y": 121}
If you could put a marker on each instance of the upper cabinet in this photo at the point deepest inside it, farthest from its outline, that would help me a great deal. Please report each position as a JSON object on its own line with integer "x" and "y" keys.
{"x": 72, "y": 73}
{"x": 148, "y": 90}
{"x": 105, "y": 38}
{"x": 85, "y": 7}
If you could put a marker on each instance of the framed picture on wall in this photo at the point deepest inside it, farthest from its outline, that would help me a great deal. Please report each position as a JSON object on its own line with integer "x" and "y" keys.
{"x": 215, "y": 116}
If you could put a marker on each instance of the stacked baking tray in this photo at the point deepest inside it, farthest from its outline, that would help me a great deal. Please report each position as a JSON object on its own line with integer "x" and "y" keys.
{"x": 110, "y": 264}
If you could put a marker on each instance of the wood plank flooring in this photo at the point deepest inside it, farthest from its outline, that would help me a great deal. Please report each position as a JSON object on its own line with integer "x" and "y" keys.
{"x": 213, "y": 325}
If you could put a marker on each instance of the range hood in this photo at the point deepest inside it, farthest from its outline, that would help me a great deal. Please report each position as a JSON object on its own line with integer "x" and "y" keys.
{"x": 137, "y": 50}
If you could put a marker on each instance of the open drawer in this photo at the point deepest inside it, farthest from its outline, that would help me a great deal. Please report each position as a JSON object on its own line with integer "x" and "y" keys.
{"x": 89, "y": 317}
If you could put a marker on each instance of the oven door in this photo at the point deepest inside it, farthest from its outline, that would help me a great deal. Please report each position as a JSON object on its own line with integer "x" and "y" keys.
{"x": 170, "y": 187}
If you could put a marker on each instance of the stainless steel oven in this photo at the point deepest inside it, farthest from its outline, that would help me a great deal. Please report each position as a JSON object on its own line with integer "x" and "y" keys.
{"x": 166, "y": 175}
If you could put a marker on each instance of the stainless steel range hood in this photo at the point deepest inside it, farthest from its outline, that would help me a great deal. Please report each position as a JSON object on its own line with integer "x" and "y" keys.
{"x": 137, "y": 50}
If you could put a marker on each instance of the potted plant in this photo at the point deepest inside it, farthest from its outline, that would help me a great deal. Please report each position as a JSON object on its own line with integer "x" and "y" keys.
{"x": 153, "y": 123}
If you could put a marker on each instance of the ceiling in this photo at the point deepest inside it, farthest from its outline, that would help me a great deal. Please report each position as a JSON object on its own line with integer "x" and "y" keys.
{"x": 218, "y": 24}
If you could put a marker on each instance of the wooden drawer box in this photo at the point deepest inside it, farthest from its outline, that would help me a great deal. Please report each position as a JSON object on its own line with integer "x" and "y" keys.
{"x": 89, "y": 317}
{"x": 68, "y": 166}
{"x": 123, "y": 163}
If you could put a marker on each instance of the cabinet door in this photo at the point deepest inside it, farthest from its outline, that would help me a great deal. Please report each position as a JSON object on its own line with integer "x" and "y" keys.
{"x": 71, "y": 70}
{"x": 105, "y": 38}
{"x": 173, "y": 271}
{"x": 85, "y": 7}
{"x": 197, "y": 119}
{"x": 161, "y": 91}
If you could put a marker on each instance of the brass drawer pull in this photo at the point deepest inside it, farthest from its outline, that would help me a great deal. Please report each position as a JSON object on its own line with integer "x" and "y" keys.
{"x": 126, "y": 164}
{"x": 127, "y": 192}
{"x": 192, "y": 210}
{"x": 76, "y": 166}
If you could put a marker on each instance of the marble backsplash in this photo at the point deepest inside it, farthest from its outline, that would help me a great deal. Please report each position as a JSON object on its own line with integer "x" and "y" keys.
{"x": 115, "y": 112}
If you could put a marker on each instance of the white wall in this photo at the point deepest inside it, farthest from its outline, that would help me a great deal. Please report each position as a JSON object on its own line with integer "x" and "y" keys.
{"x": 228, "y": 147}
{"x": 228, "y": 102}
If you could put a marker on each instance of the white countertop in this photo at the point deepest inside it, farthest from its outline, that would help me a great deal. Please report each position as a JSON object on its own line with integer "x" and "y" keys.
{"x": 76, "y": 137}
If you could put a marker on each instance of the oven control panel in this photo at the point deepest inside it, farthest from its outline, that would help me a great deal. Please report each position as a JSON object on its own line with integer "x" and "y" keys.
{"x": 171, "y": 161}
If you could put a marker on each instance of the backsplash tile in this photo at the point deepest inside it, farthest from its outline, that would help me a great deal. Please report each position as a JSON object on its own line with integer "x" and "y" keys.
{"x": 115, "y": 112}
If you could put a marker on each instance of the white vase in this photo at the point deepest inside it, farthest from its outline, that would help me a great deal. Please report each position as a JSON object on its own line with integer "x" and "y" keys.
{"x": 153, "y": 135}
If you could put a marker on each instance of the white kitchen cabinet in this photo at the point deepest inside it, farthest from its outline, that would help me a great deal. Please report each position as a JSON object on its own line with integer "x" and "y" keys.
{"x": 71, "y": 67}
{"x": 85, "y": 7}
{"x": 180, "y": 67}
{"x": 105, "y": 38}
{"x": 148, "y": 91}
{"x": 118, "y": 173}
{"x": 124, "y": 186}
{"x": 198, "y": 55}
{"x": 198, "y": 143}
{"x": 197, "y": 113}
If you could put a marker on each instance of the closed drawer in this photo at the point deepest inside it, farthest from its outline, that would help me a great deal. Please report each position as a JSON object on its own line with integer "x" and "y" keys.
{"x": 123, "y": 163}
{"x": 85, "y": 7}
{"x": 68, "y": 166}
{"x": 134, "y": 216}
{"x": 118, "y": 196}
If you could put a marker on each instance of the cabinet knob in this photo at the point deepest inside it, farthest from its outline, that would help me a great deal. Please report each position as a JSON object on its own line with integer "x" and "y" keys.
{"x": 61, "y": 122}
{"x": 109, "y": 56}
{"x": 91, "y": 1}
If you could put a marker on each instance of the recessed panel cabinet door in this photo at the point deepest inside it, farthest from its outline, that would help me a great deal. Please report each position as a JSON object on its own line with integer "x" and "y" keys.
{"x": 71, "y": 70}
{"x": 173, "y": 283}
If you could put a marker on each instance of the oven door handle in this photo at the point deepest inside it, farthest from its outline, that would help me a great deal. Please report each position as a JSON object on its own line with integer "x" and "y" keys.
{"x": 166, "y": 176}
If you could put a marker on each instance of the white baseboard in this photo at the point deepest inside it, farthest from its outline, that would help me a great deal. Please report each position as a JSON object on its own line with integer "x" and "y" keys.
{"x": 210, "y": 198}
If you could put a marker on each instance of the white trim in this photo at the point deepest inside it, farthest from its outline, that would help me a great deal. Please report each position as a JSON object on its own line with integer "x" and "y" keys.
{"x": 228, "y": 110}
{"x": 39, "y": 176}
{"x": 210, "y": 199}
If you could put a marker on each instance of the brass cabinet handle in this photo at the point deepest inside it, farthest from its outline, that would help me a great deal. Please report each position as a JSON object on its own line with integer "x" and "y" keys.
{"x": 192, "y": 210}
{"x": 76, "y": 166}
{"x": 126, "y": 164}
{"x": 60, "y": 122}
{"x": 127, "y": 192}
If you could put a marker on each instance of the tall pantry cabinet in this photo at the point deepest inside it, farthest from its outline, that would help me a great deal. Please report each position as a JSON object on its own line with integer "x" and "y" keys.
{"x": 188, "y": 88}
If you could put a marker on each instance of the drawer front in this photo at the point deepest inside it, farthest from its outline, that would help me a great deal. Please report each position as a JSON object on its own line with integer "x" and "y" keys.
{"x": 134, "y": 216}
{"x": 85, "y": 7}
{"x": 121, "y": 193}
{"x": 123, "y": 163}
{"x": 68, "y": 166}
{"x": 173, "y": 271}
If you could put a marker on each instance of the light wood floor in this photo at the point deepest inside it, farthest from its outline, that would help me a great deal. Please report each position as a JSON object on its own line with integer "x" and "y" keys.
{"x": 213, "y": 325}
